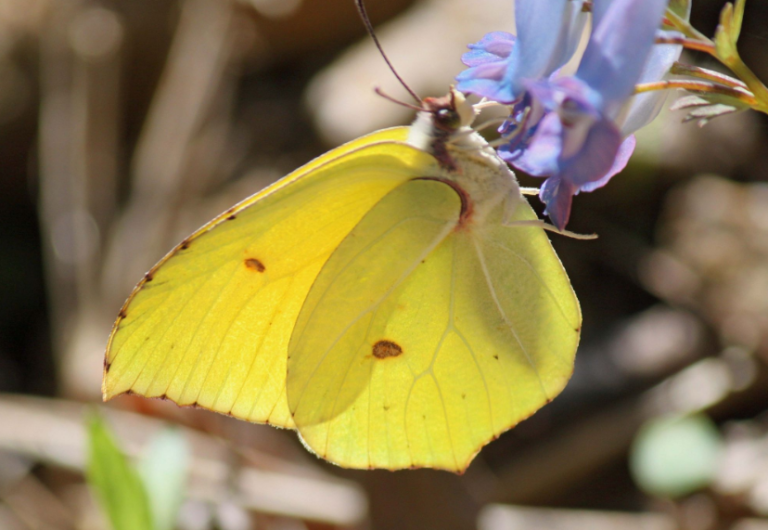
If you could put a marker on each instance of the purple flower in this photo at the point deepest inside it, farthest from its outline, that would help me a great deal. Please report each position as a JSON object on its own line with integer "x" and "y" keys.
{"x": 519, "y": 128}
{"x": 585, "y": 136}
{"x": 548, "y": 32}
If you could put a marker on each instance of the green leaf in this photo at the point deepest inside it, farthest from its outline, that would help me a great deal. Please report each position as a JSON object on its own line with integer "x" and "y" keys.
{"x": 681, "y": 8}
{"x": 164, "y": 472}
{"x": 728, "y": 31}
{"x": 114, "y": 482}
{"x": 736, "y": 20}
{"x": 723, "y": 43}
{"x": 675, "y": 456}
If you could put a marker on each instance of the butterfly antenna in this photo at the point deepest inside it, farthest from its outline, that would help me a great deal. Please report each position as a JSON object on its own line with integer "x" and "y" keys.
{"x": 386, "y": 96}
{"x": 369, "y": 27}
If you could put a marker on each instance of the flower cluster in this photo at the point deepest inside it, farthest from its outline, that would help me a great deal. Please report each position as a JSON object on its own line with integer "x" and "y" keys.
{"x": 577, "y": 130}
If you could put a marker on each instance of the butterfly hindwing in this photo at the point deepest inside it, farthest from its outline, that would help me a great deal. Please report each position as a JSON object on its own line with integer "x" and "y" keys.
{"x": 445, "y": 345}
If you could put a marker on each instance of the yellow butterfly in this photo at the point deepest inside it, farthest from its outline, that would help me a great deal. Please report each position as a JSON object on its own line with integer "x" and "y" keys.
{"x": 396, "y": 301}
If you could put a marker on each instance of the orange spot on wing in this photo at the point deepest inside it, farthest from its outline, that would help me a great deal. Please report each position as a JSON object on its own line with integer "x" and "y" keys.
{"x": 255, "y": 265}
{"x": 386, "y": 348}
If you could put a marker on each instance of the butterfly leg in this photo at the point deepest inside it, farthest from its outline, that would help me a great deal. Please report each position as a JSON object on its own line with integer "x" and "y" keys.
{"x": 546, "y": 226}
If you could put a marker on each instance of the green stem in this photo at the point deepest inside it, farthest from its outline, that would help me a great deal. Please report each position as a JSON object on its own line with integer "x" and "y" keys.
{"x": 754, "y": 84}
{"x": 684, "y": 27}
{"x": 697, "y": 40}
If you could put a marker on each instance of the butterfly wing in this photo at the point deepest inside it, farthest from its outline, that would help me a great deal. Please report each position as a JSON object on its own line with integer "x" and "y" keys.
{"x": 210, "y": 324}
{"x": 421, "y": 341}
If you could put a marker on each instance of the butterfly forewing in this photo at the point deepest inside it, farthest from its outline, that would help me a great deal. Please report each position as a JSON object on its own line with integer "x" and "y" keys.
{"x": 211, "y": 322}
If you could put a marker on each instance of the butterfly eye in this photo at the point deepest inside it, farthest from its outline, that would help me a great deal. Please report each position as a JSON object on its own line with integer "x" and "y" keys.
{"x": 448, "y": 118}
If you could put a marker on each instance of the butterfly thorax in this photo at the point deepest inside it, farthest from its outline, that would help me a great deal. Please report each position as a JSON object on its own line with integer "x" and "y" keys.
{"x": 465, "y": 159}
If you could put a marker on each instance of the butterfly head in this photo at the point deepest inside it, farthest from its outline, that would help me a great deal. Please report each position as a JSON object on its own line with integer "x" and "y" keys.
{"x": 451, "y": 112}
{"x": 438, "y": 122}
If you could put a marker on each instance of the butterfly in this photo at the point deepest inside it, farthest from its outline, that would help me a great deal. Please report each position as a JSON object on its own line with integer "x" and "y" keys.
{"x": 396, "y": 301}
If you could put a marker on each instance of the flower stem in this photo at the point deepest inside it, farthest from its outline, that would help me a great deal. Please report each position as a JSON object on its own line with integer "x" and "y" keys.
{"x": 757, "y": 99}
{"x": 699, "y": 86}
{"x": 684, "y": 27}
{"x": 691, "y": 44}
{"x": 757, "y": 87}
{"x": 703, "y": 73}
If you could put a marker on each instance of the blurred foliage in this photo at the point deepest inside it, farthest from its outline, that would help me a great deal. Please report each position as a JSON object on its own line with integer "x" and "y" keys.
{"x": 143, "y": 497}
{"x": 676, "y": 456}
{"x": 115, "y": 481}
{"x": 164, "y": 472}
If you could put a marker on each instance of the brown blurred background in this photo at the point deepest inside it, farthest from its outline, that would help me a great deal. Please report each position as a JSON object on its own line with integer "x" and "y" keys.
{"x": 125, "y": 124}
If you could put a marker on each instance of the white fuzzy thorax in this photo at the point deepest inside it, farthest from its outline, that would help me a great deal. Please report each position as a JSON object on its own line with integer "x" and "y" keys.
{"x": 480, "y": 172}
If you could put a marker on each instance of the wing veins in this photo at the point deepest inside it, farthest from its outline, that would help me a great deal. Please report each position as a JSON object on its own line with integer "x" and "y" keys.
{"x": 344, "y": 380}
{"x": 258, "y": 398}
{"x": 209, "y": 273}
{"x": 302, "y": 172}
{"x": 492, "y": 291}
{"x": 318, "y": 230}
{"x": 480, "y": 371}
{"x": 438, "y": 348}
{"x": 256, "y": 355}
{"x": 218, "y": 350}
{"x": 270, "y": 277}
{"x": 194, "y": 335}
{"x": 163, "y": 304}
{"x": 445, "y": 416}
{"x": 389, "y": 291}
{"x": 352, "y": 262}
{"x": 165, "y": 332}
{"x": 535, "y": 274}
